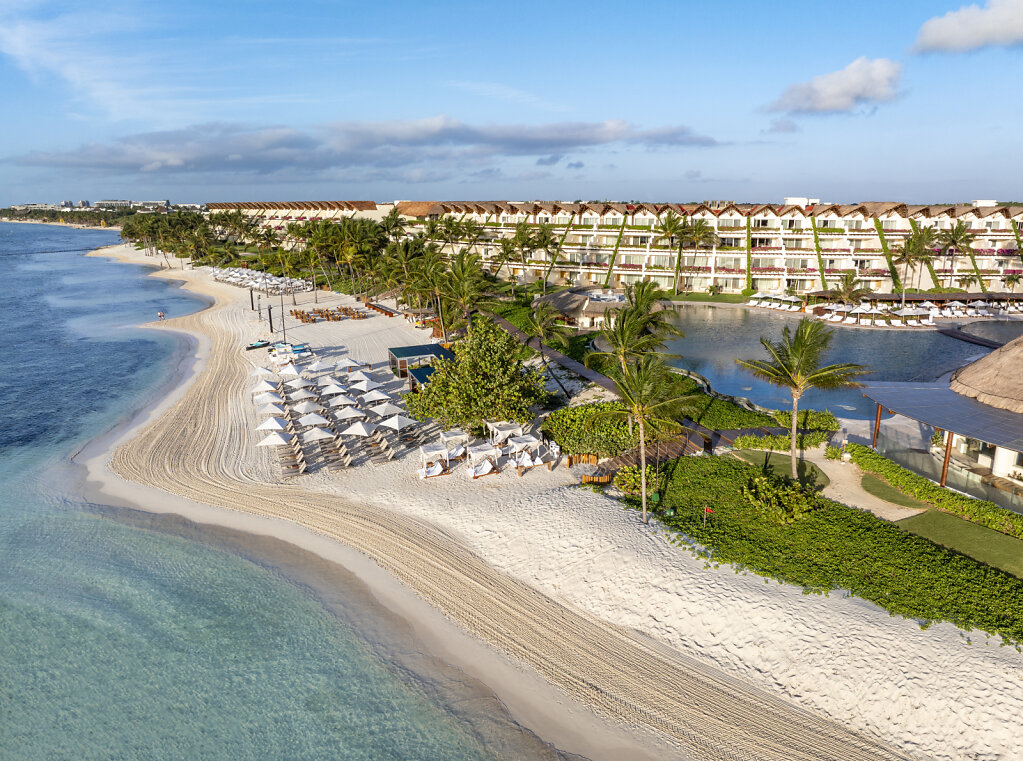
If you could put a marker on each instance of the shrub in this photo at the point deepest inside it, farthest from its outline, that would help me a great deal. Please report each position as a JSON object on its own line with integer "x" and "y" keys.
{"x": 779, "y": 500}
{"x": 627, "y": 479}
{"x": 977, "y": 511}
{"x": 782, "y": 442}
{"x": 813, "y": 420}
{"x": 582, "y": 430}
{"x": 832, "y": 453}
{"x": 835, "y": 547}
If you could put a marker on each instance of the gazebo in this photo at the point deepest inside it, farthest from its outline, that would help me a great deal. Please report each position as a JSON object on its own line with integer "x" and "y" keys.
{"x": 403, "y": 358}
{"x": 979, "y": 411}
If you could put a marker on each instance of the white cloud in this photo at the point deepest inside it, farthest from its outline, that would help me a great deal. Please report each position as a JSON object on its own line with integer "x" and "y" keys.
{"x": 862, "y": 81}
{"x": 509, "y": 94}
{"x": 998, "y": 22}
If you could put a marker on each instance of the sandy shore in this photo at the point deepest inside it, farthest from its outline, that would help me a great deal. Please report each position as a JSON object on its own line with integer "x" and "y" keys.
{"x": 720, "y": 664}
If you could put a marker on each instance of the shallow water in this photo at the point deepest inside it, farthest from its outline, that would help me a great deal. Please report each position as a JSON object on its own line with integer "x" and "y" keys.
{"x": 126, "y": 636}
{"x": 716, "y": 336}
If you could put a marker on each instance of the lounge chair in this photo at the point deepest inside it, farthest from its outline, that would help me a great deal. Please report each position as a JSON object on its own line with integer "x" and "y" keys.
{"x": 458, "y": 453}
{"x": 523, "y": 462}
{"x": 485, "y": 468}
{"x": 432, "y": 471}
{"x": 851, "y": 320}
{"x": 913, "y": 322}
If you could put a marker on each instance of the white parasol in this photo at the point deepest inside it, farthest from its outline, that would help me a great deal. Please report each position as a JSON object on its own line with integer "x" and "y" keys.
{"x": 312, "y": 418}
{"x": 273, "y": 424}
{"x": 275, "y": 439}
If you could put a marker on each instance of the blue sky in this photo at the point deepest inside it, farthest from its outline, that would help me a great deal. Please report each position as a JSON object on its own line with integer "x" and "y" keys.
{"x": 680, "y": 101}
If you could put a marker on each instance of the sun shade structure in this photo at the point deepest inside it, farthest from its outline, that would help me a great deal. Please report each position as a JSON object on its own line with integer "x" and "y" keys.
{"x": 275, "y": 439}
{"x": 375, "y": 396}
{"x": 299, "y": 383}
{"x": 454, "y": 436}
{"x": 289, "y": 369}
{"x": 995, "y": 380}
{"x": 360, "y": 428}
{"x": 332, "y": 390}
{"x": 263, "y": 387}
{"x": 269, "y": 398}
{"x": 346, "y": 363}
{"x": 359, "y": 375}
{"x": 433, "y": 453}
{"x": 342, "y": 401}
{"x": 315, "y": 434}
{"x": 403, "y": 358}
{"x": 523, "y": 443}
{"x": 366, "y": 385}
{"x": 313, "y": 418}
{"x": 315, "y": 366}
{"x": 261, "y": 372}
{"x": 273, "y": 424}
{"x": 349, "y": 413}
{"x": 270, "y": 409}
{"x": 302, "y": 394}
{"x": 327, "y": 380}
{"x": 306, "y": 407}
{"x": 502, "y": 431}
{"x": 386, "y": 409}
{"x": 397, "y": 422}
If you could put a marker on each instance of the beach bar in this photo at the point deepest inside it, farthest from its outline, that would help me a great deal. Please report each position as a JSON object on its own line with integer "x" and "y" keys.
{"x": 404, "y": 358}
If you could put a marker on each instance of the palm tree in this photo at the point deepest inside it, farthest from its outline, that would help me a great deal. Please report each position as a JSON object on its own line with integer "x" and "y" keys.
{"x": 965, "y": 281}
{"x": 643, "y": 299}
{"x": 542, "y": 324}
{"x": 849, "y": 289}
{"x": 627, "y": 339}
{"x": 956, "y": 240}
{"x": 1011, "y": 281}
{"x": 670, "y": 226}
{"x": 795, "y": 364}
{"x": 647, "y": 398}
{"x": 545, "y": 240}
{"x": 911, "y": 254}
{"x": 466, "y": 287}
{"x": 696, "y": 234}
{"x": 431, "y": 275}
{"x": 507, "y": 251}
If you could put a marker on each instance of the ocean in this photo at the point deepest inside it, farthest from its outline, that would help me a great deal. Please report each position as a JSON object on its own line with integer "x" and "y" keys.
{"x": 125, "y": 635}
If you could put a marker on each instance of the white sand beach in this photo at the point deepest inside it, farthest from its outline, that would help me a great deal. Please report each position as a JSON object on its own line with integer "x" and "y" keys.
{"x": 565, "y": 581}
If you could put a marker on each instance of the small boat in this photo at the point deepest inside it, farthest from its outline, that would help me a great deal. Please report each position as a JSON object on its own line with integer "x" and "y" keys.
{"x": 257, "y": 345}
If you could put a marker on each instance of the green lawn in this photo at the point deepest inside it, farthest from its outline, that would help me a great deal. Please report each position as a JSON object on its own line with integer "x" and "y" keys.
{"x": 980, "y": 543}
{"x": 883, "y": 490}
{"x": 780, "y": 464}
{"x": 721, "y": 298}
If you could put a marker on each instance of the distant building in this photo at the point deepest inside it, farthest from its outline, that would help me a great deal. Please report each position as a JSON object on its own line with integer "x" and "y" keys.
{"x": 110, "y": 204}
{"x": 83, "y": 204}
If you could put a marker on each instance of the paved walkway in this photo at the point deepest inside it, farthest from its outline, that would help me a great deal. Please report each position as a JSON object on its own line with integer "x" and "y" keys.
{"x": 845, "y": 487}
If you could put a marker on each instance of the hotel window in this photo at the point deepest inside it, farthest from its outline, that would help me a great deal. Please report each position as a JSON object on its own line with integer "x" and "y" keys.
{"x": 992, "y": 225}
{"x": 792, "y": 243}
{"x": 855, "y": 224}
{"x": 1019, "y": 459}
{"x": 724, "y": 224}
{"x": 791, "y": 224}
{"x": 760, "y": 222}
{"x": 729, "y": 241}
{"x": 614, "y": 220}
{"x": 543, "y": 220}
{"x": 758, "y": 242}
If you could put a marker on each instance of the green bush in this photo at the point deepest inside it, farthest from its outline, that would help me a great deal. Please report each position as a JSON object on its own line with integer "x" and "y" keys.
{"x": 813, "y": 420}
{"x": 778, "y": 500}
{"x": 977, "y": 511}
{"x": 782, "y": 442}
{"x": 582, "y": 430}
{"x": 835, "y": 547}
{"x": 832, "y": 453}
{"x": 627, "y": 479}
{"x": 719, "y": 414}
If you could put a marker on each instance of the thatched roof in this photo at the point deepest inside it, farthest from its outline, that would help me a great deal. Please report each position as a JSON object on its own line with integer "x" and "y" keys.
{"x": 419, "y": 208}
{"x": 996, "y": 380}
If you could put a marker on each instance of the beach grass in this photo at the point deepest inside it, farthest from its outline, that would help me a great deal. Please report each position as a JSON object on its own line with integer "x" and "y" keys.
{"x": 980, "y": 543}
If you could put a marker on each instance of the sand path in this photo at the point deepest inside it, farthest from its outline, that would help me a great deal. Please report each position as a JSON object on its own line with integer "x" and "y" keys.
{"x": 201, "y": 450}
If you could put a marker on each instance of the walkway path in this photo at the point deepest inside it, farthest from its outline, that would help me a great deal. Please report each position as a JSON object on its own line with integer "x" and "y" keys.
{"x": 846, "y": 487}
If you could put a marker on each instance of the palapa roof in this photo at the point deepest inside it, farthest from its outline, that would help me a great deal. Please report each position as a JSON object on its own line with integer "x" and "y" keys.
{"x": 995, "y": 380}
{"x": 304, "y": 205}
{"x": 419, "y": 208}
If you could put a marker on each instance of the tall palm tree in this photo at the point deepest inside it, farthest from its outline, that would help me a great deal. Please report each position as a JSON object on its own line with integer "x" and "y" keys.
{"x": 956, "y": 240}
{"x": 432, "y": 277}
{"x": 670, "y": 226}
{"x": 911, "y": 255}
{"x": 644, "y": 299}
{"x": 1011, "y": 281}
{"x": 627, "y": 339}
{"x": 647, "y": 398}
{"x": 542, "y": 324}
{"x": 545, "y": 240}
{"x": 795, "y": 363}
{"x": 695, "y": 234}
{"x": 508, "y": 249}
{"x": 849, "y": 289}
{"x": 525, "y": 245}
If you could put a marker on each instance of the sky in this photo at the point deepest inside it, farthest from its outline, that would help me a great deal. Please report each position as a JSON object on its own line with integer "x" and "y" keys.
{"x": 658, "y": 101}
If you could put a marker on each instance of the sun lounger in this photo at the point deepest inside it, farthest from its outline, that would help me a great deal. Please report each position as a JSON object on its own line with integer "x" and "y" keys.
{"x": 432, "y": 471}
{"x": 849, "y": 321}
{"x": 929, "y": 322}
{"x": 484, "y": 468}
{"x": 913, "y": 322}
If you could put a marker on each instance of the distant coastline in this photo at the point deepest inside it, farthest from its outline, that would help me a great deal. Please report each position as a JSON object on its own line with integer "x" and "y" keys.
{"x": 115, "y": 228}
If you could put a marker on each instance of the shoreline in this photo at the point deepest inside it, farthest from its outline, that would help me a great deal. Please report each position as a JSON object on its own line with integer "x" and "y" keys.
{"x": 536, "y": 706}
{"x": 113, "y": 228}
{"x": 613, "y": 651}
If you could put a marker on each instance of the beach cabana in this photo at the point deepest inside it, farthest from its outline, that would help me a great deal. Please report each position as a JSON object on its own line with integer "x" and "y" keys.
{"x": 403, "y": 358}
{"x": 274, "y": 424}
{"x": 433, "y": 453}
{"x": 342, "y": 401}
{"x": 502, "y": 431}
{"x": 454, "y": 436}
{"x": 526, "y": 443}
{"x": 419, "y": 376}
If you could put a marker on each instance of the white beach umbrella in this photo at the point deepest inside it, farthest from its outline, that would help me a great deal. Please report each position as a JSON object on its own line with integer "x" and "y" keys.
{"x": 269, "y": 398}
{"x": 327, "y": 380}
{"x": 313, "y": 418}
{"x": 359, "y": 375}
{"x": 301, "y": 394}
{"x": 398, "y": 422}
{"x": 315, "y": 434}
{"x": 342, "y": 401}
{"x": 375, "y": 396}
{"x": 270, "y": 409}
{"x": 306, "y": 407}
{"x": 261, "y": 372}
{"x": 928, "y": 304}
{"x": 859, "y": 310}
{"x": 873, "y": 310}
{"x": 345, "y": 363}
{"x": 955, "y": 304}
{"x": 360, "y": 428}
{"x": 905, "y": 312}
{"x": 299, "y": 383}
{"x": 275, "y": 439}
{"x": 978, "y": 303}
{"x": 315, "y": 366}
{"x": 332, "y": 389}
{"x": 366, "y": 385}
{"x": 273, "y": 424}
{"x": 349, "y": 413}
{"x": 386, "y": 409}
{"x": 263, "y": 387}
{"x": 289, "y": 369}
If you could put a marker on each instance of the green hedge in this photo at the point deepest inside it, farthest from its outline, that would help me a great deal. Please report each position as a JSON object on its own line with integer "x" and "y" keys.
{"x": 835, "y": 547}
{"x": 974, "y": 510}
{"x": 782, "y": 442}
{"x": 582, "y": 430}
{"x": 719, "y": 414}
{"x": 814, "y": 420}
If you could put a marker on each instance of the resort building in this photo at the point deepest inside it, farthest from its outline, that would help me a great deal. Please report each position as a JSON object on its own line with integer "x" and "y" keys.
{"x": 803, "y": 245}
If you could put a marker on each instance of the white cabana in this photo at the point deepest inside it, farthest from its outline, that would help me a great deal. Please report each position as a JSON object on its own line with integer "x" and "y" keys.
{"x": 270, "y": 409}
{"x": 366, "y": 385}
{"x": 312, "y": 419}
{"x": 315, "y": 434}
{"x": 349, "y": 413}
{"x": 327, "y": 380}
{"x": 524, "y": 443}
{"x": 386, "y": 409}
{"x": 342, "y": 401}
{"x": 269, "y": 398}
{"x": 275, "y": 439}
{"x": 361, "y": 428}
{"x": 397, "y": 422}
{"x": 483, "y": 452}
{"x": 375, "y": 396}
{"x": 433, "y": 453}
{"x": 274, "y": 424}
{"x": 454, "y": 436}
{"x": 304, "y": 408}
{"x": 332, "y": 390}
{"x": 263, "y": 387}
{"x": 502, "y": 431}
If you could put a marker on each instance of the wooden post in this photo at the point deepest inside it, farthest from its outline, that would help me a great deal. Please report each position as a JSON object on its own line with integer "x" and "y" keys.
{"x": 877, "y": 425}
{"x": 948, "y": 456}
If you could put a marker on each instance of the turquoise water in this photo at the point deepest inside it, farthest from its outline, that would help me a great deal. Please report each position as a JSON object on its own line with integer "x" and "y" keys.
{"x": 716, "y": 336}
{"x": 124, "y": 636}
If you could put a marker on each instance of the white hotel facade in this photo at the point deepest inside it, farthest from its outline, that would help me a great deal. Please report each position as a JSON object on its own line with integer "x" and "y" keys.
{"x": 799, "y": 244}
